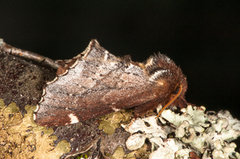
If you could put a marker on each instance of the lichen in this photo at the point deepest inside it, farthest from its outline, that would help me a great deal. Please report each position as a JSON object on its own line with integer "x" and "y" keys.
{"x": 143, "y": 129}
{"x": 148, "y": 128}
{"x": 111, "y": 121}
{"x": 21, "y": 137}
{"x": 206, "y": 134}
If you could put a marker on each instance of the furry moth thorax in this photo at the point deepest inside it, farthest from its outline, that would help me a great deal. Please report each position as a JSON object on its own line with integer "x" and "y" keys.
{"x": 168, "y": 77}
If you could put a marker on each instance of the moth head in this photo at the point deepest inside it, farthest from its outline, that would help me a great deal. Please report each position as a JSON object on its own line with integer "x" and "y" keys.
{"x": 168, "y": 77}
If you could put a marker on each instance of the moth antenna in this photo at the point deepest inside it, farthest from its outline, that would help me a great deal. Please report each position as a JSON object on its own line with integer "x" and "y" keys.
{"x": 170, "y": 102}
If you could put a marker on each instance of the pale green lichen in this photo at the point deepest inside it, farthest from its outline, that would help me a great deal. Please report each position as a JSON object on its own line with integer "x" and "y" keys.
{"x": 211, "y": 137}
{"x": 147, "y": 128}
{"x": 21, "y": 137}
{"x": 152, "y": 131}
{"x": 205, "y": 134}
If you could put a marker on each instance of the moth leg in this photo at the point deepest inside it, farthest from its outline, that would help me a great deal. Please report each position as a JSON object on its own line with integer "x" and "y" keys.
{"x": 145, "y": 108}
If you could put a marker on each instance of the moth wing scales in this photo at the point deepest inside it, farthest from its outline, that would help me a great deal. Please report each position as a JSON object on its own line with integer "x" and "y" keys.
{"x": 100, "y": 83}
{"x": 93, "y": 95}
{"x": 95, "y": 51}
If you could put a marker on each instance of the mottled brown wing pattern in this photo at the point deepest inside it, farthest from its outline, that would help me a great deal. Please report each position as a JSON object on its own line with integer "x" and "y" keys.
{"x": 98, "y": 84}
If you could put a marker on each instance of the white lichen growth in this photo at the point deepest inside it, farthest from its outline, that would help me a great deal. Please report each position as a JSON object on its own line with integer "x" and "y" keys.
{"x": 170, "y": 149}
{"x": 146, "y": 128}
{"x": 209, "y": 135}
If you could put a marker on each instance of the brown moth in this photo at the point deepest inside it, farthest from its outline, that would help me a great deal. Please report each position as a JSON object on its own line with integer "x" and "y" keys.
{"x": 96, "y": 83}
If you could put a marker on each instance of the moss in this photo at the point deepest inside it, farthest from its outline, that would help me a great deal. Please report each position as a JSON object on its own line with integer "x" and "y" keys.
{"x": 140, "y": 153}
{"x": 114, "y": 120}
{"x": 21, "y": 137}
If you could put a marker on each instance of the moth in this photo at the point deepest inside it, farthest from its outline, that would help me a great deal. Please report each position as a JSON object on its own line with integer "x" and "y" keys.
{"x": 96, "y": 83}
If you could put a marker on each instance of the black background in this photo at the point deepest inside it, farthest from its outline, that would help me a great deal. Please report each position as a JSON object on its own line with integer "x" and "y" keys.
{"x": 202, "y": 37}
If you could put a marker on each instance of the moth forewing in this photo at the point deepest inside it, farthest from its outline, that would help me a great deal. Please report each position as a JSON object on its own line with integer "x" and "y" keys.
{"x": 100, "y": 83}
